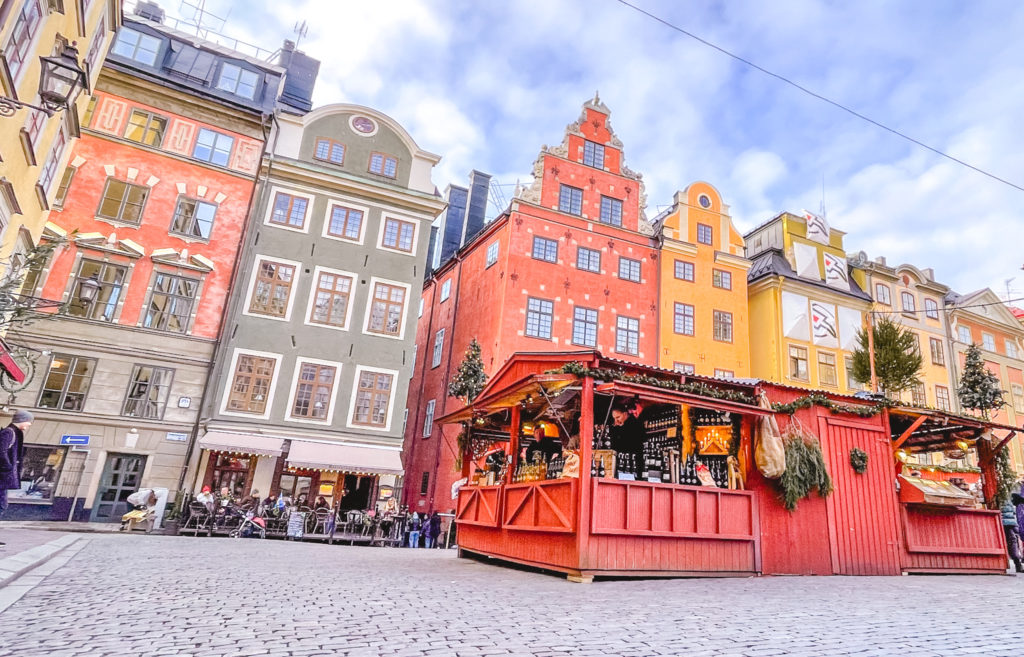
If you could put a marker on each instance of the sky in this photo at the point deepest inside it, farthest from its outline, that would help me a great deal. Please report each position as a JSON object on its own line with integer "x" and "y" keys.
{"x": 486, "y": 83}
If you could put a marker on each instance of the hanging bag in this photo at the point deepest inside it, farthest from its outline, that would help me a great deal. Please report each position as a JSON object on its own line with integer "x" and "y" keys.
{"x": 769, "y": 452}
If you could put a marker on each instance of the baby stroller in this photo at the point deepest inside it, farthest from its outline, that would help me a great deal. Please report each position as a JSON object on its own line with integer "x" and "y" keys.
{"x": 251, "y": 526}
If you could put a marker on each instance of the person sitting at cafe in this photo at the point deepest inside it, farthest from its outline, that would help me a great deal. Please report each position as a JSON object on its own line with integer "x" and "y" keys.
{"x": 205, "y": 497}
{"x": 321, "y": 503}
{"x": 542, "y": 444}
{"x": 627, "y": 431}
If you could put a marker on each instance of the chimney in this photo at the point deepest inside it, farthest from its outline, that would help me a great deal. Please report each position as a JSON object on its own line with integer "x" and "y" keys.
{"x": 299, "y": 78}
{"x": 454, "y": 222}
{"x": 150, "y": 11}
{"x": 479, "y": 187}
{"x": 929, "y": 273}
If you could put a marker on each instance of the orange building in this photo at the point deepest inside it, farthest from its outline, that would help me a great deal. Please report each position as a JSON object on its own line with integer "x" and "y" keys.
{"x": 702, "y": 322}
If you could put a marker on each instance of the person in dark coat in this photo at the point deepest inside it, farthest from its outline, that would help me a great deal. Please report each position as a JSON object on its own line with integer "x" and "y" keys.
{"x": 12, "y": 454}
{"x": 432, "y": 529}
{"x": 1009, "y": 513}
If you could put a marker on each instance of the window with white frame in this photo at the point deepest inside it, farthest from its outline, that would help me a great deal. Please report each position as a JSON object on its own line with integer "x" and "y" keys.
{"x": 251, "y": 383}
{"x": 331, "y": 299}
{"x": 67, "y": 382}
{"x": 64, "y": 187}
{"x": 345, "y": 222}
{"x": 798, "y": 363}
{"x": 387, "y": 309}
{"x": 193, "y": 218}
{"x": 539, "y": 317}
{"x": 721, "y": 279}
{"x": 492, "y": 254}
{"x": 49, "y": 172}
{"x": 938, "y": 354}
{"x": 908, "y": 301}
{"x": 398, "y": 234}
{"x": 147, "y": 392}
{"x": 213, "y": 147}
{"x": 827, "y": 369}
{"x": 146, "y": 128}
{"x": 446, "y": 290}
{"x": 963, "y": 333}
{"x": 111, "y": 279}
{"x": 18, "y": 50}
{"x": 988, "y": 341}
{"x": 373, "y": 397}
{"x": 931, "y": 309}
{"x": 237, "y": 80}
{"x": 289, "y": 210}
{"x": 627, "y": 335}
{"x": 882, "y": 294}
{"x": 170, "y": 303}
{"x": 272, "y": 288}
{"x": 123, "y": 201}
{"x": 724, "y": 374}
{"x": 685, "y": 368}
{"x": 942, "y": 398}
{"x": 435, "y": 359}
{"x": 137, "y": 46}
{"x": 722, "y": 326}
{"x": 1011, "y": 348}
{"x": 584, "y": 327}
{"x": 314, "y": 391}
{"x": 1017, "y": 393}
{"x": 682, "y": 321}
{"x": 428, "y": 419}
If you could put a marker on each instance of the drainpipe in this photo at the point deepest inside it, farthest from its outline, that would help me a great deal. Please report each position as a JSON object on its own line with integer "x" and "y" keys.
{"x": 267, "y": 119}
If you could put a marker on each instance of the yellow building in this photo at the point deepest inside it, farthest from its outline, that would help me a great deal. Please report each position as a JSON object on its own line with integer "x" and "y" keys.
{"x": 34, "y": 147}
{"x": 703, "y": 278}
{"x": 804, "y": 306}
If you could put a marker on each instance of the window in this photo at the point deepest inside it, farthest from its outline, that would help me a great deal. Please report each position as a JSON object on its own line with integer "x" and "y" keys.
{"x": 722, "y": 279}
{"x": 170, "y": 303}
{"x": 851, "y": 383}
{"x": 384, "y": 165}
{"x": 146, "y": 128}
{"x": 63, "y": 187}
{"x": 722, "y": 326}
{"x": 938, "y": 355}
{"x": 685, "y": 368}
{"x": 49, "y": 171}
{"x": 92, "y": 56}
{"x": 147, "y": 392}
{"x": 627, "y": 336}
{"x": 213, "y": 147}
{"x": 67, "y": 383}
{"x": 346, "y": 223}
{"x": 398, "y": 234}
{"x": 424, "y": 483}
{"x": 193, "y": 218}
{"x": 1011, "y": 348}
{"x": 34, "y": 126}
{"x": 428, "y": 419}
{"x": 882, "y": 294}
{"x": 1017, "y": 393}
{"x": 917, "y": 343}
{"x": 570, "y": 200}
{"x": 135, "y": 45}
{"x": 964, "y": 334}
{"x": 584, "y": 327}
{"x": 611, "y": 211}
{"x": 446, "y": 290}
{"x": 273, "y": 288}
{"x": 931, "y": 309}
{"x": 545, "y": 249}
{"x": 827, "y": 370}
{"x": 988, "y": 342}
{"x": 41, "y": 467}
{"x": 435, "y": 359}
{"x": 372, "y": 399}
{"x": 33, "y": 274}
{"x": 192, "y": 64}
{"x": 539, "y": 316}
{"x": 588, "y": 259}
{"x": 593, "y": 154}
{"x": 704, "y": 234}
{"x": 798, "y": 363}
{"x": 942, "y": 398}
{"x": 314, "y": 390}
{"x": 492, "y": 254}
{"x": 907, "y": 300}
{"x": 251, "y": 384}
{"x": 683, "y": 319}
{"x": 123, "y": 201}
{"x": 918, "y": 395}
{"x": 237, "y": 80}
{"x": 331, "y": 299}
{"x": 684, "y": 270}
{"x": 329, "y": 150}
{"x": 724, "y": 374}
{"x": 289, "y": 210}
{"x": 111, "y": 279}
{"x": 19, "y": 46}
{"x": 386, "y": 309}
{"x": 629, "y": 269}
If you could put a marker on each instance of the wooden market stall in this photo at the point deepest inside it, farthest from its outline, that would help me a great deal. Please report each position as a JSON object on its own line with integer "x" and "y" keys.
{"x": 611, "y": 515}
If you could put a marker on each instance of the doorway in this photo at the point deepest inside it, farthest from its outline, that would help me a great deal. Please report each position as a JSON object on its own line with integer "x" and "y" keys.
{"x": 122, "y": 474}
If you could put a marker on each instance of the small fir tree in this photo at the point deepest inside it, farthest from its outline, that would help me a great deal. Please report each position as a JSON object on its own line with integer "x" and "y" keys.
{"x": 979, "y": 389}
{"x": 897, "y": 357}
{"x": 470, "y": 378}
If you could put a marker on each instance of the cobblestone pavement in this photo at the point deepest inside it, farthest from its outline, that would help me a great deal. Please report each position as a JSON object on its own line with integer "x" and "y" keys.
{"x": 138, "y": 595}
{"x": 19, "y": 540}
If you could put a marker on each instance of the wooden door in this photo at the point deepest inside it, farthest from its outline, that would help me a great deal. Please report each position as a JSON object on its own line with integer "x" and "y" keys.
{"x": 862, "y": 510}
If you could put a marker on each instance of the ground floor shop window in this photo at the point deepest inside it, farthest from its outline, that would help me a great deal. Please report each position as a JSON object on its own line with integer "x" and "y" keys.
{"x": 231, "y": 471}
{"x": 40, "y": 473}
{"x": 296, "y": 487}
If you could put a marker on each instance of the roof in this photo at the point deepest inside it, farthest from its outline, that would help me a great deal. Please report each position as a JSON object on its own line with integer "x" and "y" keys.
{"x": 772, "y": 262}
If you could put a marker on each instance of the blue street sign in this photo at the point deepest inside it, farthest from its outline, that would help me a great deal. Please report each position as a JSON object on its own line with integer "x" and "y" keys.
{"x": 74, "y": 440}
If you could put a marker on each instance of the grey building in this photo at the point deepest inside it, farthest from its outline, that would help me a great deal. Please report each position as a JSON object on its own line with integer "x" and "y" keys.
{"x": 309, "y": 390}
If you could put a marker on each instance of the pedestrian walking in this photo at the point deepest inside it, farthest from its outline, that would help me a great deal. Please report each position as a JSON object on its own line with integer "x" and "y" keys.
{"x": 1018, "y": 504}
{"x": 12, "y": 455}
{"x": 414, "y": 529}
{"x": 432, "y": 530}
{"x": 1010, "y": 527}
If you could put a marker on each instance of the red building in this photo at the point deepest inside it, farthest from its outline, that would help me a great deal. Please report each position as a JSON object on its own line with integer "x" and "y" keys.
{"x": 570, "y": 264}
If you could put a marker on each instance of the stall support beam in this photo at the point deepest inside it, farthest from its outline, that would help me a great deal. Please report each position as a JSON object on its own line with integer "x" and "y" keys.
{"x": 586, "y": 458}
{"x": 513, "y": 443}
{"x": 995, "y": 450}
{"x": 910, "y": 430}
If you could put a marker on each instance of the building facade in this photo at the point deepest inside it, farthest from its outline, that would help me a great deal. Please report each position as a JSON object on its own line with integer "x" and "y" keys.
{"x": 154, "y": 205}
{"x": 310, "y": 383}
{"x": 702, "y": 286}
{"x": 571, "y": 264}
{"x": 805, "y": 308}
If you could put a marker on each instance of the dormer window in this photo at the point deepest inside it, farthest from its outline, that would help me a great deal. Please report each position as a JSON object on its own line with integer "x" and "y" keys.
{"x": 593, "y": 155}
{"x": 136, "y": 46}
{"x": 237, "y": 80}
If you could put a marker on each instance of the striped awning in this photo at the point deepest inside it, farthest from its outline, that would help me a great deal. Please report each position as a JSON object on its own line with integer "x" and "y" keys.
{"x": 337, "y": 457}
{"x": 242, "y": 443}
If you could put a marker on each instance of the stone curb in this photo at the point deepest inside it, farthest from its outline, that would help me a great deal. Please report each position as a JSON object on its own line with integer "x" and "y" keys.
{"x": 14, "y": 566}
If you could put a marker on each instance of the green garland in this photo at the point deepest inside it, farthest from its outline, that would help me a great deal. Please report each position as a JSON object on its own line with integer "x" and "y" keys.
{"x": 817, "y": 399}
{"x": 1006, "y": 478}
{"x": 607, "y": 374}
{"x": 805, "y": 471}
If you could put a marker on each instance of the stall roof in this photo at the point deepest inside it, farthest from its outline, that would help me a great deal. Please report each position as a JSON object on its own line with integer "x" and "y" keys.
{"x": 337, "y": 457}
{"x": 924, "y": 429}
{"x": 534, "y": 385}
{"x": 669, "y": 396}
{"x": 241, "y": 443}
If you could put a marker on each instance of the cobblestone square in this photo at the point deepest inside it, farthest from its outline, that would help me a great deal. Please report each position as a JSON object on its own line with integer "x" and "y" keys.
{"x": 154, "y": 596}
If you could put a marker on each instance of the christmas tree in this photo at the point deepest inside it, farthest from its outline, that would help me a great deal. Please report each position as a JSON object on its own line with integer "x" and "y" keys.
{"x": 470, "y": 378}
{"x": 897, "y": 357}
{"x": 979, "y": 389}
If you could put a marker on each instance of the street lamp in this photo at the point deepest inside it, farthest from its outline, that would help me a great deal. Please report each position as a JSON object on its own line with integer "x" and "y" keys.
{"x": 60, "y": 80}
{"x": 88, "y": 289}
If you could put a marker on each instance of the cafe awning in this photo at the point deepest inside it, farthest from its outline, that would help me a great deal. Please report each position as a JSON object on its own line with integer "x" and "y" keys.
{"x": 242, "y": 443}
{"x": 336, "y": 457}
{"x": 9, "y": 365}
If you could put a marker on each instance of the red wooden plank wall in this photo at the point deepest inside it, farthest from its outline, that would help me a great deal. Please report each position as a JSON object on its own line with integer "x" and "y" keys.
{"x": 940, "y": 540}
{"x": 548, "y": 506}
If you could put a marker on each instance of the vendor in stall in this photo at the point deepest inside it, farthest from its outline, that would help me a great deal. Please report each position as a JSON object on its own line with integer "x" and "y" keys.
{"x": 627, "y": 431}
{"x": 543, "y": 444}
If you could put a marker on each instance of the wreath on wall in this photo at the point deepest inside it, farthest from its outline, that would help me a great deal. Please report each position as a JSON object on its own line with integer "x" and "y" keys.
{"x": 858, "y": 460}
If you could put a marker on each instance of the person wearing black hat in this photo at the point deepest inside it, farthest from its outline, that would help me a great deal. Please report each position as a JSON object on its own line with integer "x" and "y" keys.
{"x": 12, "y": 454}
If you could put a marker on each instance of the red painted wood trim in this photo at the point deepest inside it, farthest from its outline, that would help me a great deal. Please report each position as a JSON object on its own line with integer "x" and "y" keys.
{"x": 906, "y": 434}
